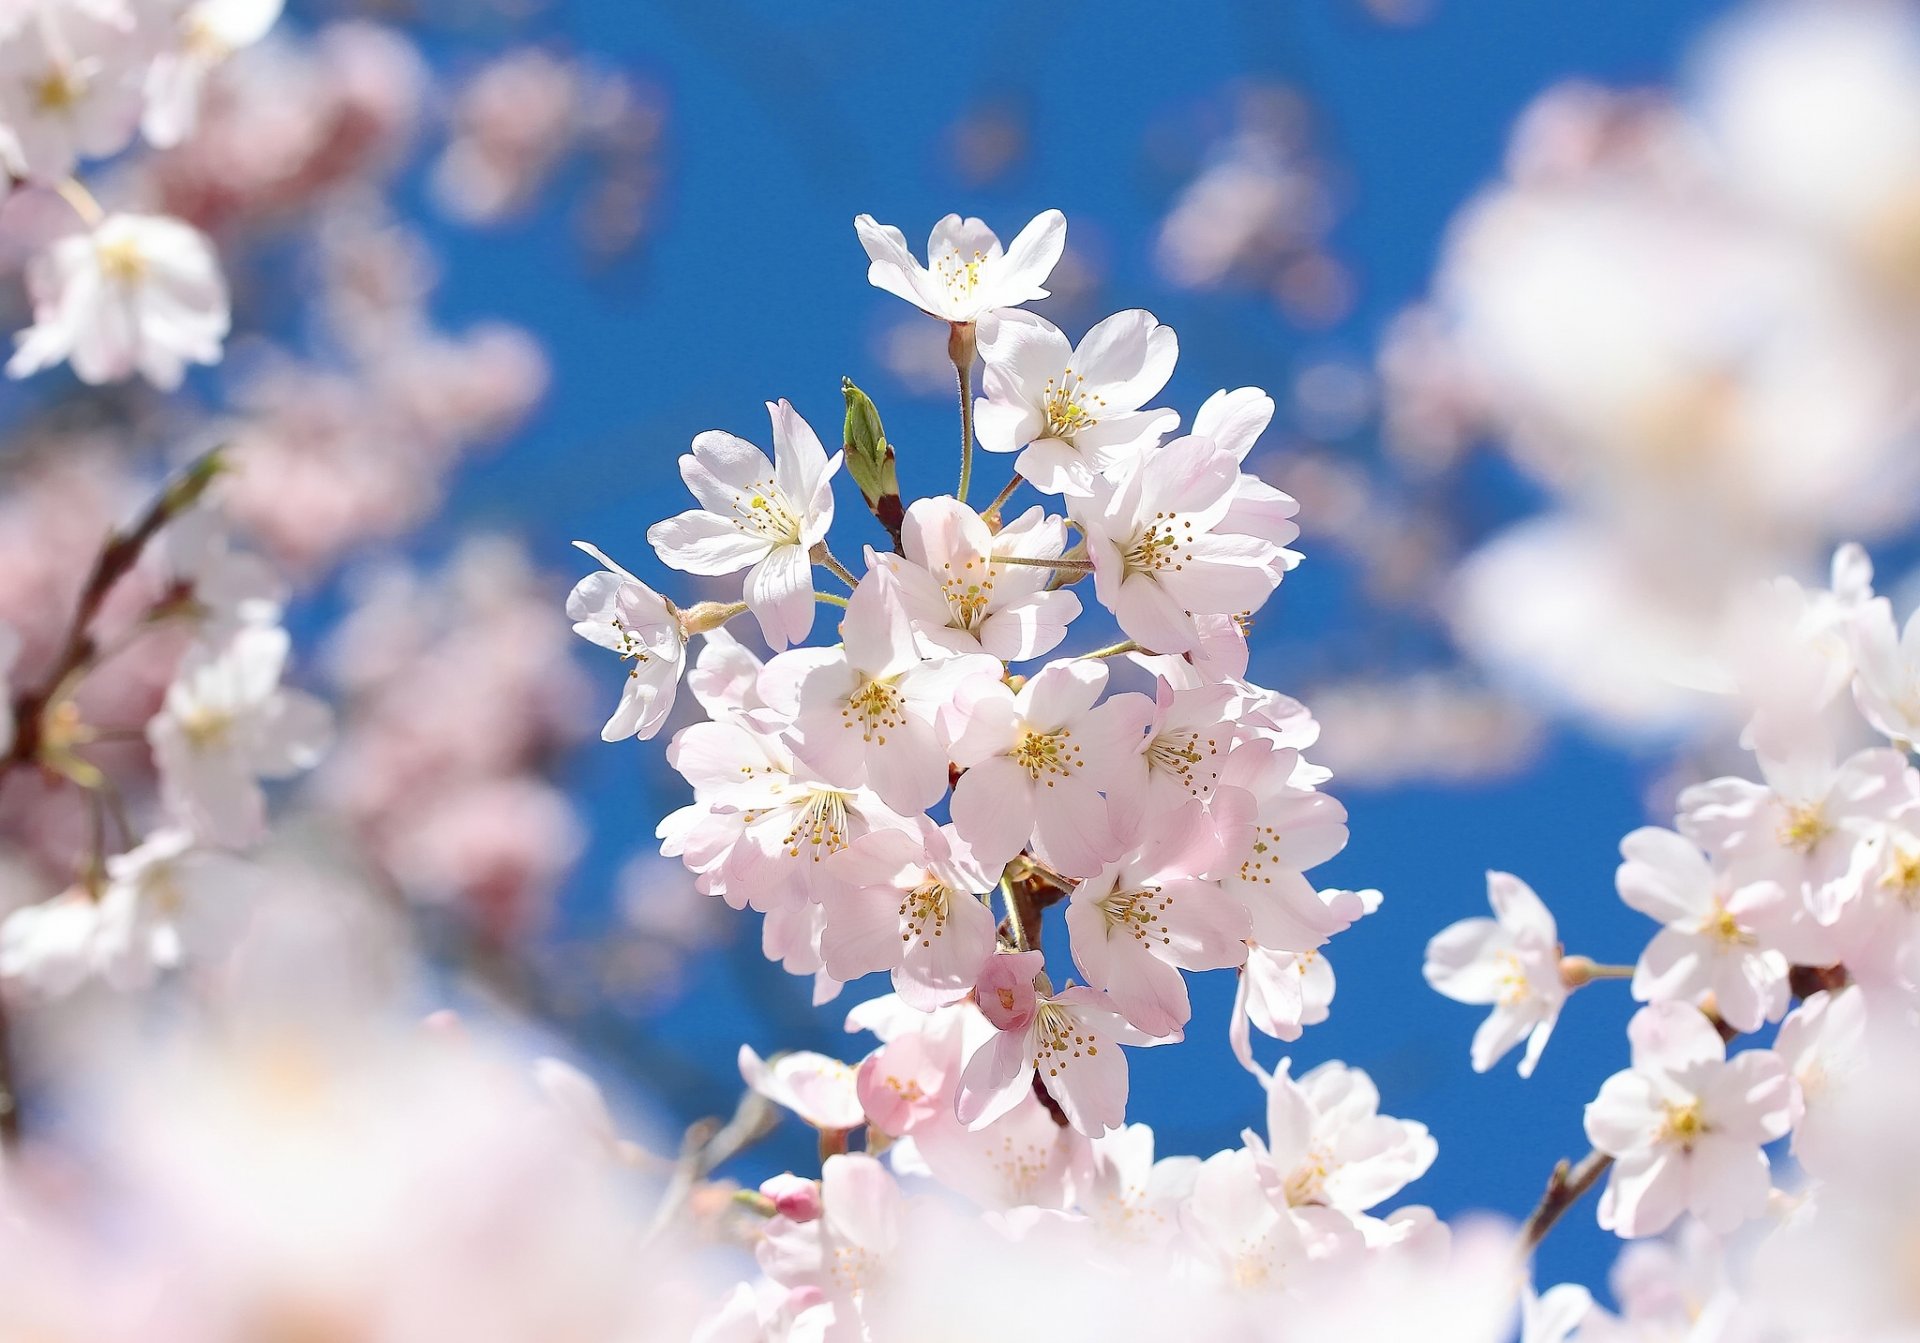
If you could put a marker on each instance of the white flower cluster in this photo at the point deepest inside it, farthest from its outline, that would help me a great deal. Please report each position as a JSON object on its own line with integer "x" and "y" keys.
{"x": 128, "y": 293}
{"x": 1791, "y": 899}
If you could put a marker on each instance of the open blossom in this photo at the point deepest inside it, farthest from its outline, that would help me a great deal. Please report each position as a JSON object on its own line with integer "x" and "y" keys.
{"x": 135, "y": 294}
{"x": 1281, "y": 992}
{"x": 1328, "y": 1144}
{"x": 207, "y": 33}
{"x": 167, "y": 901}
{"x": 967, "y": 274}
{"x": 1823, "y": 1043}
{"x": 1294, "y": 829}
{"x": 1072, "y": 412}
{"x": 764, "y": 517}
{"x": 1886, "y": 683}
{"x": 1511, "y": 961}
{"x": 871, "y": 711}
{"x": 1800, "y": 827}
{"x": 1035, "y": 762}
{"x": 47, "y": 949}
{"x": 1142, "y": 919}
{"x": 1717, "y": 937}
{"x": 835, "y": 1262}
{"x": 1685, "y": 1125}
{"x": 614, "y": 609}
{"x": 1072, "y": 1044}
{"x": 1161, "y": 556}
{"x": 912, "y": 906}
{"x": 69, "y": 86}
{"x": 227, "y": 724}
{"x": 958, "y": 599}
{"x": 818, "y": 1089}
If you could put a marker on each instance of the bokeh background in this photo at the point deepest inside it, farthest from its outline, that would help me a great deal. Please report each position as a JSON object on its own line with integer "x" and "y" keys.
{"x": 639, "y": 220}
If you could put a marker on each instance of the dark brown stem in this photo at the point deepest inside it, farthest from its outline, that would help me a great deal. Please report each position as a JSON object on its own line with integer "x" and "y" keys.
{"x": 1565, "y": 1188}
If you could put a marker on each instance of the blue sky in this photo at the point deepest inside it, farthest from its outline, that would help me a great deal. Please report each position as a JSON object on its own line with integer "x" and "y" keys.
{"x": 785, "y": 121}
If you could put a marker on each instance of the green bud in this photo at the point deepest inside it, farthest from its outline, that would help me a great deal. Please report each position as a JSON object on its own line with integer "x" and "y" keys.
{"x": 870, "y": 459}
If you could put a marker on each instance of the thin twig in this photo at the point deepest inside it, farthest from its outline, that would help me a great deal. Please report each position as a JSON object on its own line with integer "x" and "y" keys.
{"x": 827, "y": 560}
{"x": 960, "y": 349}
{"x": 1565, "y": 1187}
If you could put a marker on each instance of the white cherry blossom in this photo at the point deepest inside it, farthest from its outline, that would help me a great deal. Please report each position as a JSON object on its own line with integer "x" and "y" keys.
{"x": 1072, "y": 412}
{"x": 136, "y": 294}
{"x": 617, "y": 611}
{"x": 1718, "y": 937}
{"x": 207, "y": 33}
{"x": 169, "y": 901}
{"x": 69, "y": 85}
{"x": 959, "y": 600}
{"x": 1511, "y": 961}
{"x": 1685, "y": 1126}
{"x": 1329, "y": 1145}
{"x": 227, "y": 724}
{"x": 761, "y": 516}
{"x": 967, "y": 274}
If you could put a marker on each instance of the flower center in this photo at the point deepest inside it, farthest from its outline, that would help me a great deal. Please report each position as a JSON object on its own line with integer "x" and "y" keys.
{"x": 1264, "y": 860}
{"x": 1723, "y": 928}
{"x": 1047, "y": 753}
{"x": 923, "y": 917}
{"x": 1682, "y": 1124}
{"x": 1804, "y": 828}
{"x": 821, "y": 826}
{"x": 1177, "y": 753}
{"x": 1902, "y": 877}
{"x": 1069, "y": 407}
{"x": 631, "y": 649}
{"x": 961, "y": 273}
{"x": 1162, "y": 546}
{"x": 877, "y": 708}
{"x": 1059, "y": 1039}
{"x": 120, "y": 260}
{"x": 58, "y": 90}
{"x": 1514, "y": 988}
{"x": 969, "y": 592}
{"x": 1141, "y": 914}
{"x": 766, "y": 512}
{"x": 207, "y": 729}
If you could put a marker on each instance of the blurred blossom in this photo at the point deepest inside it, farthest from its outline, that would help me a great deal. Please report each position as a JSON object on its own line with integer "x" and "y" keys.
{"x": 1257, "y": 213}
{"x": 1687, "y": 319}
{"x": 991, "y": 139}
{"x": 457, "y": 815}
{"x": 668, "y": 921}
{"x": 1425, "y": 727}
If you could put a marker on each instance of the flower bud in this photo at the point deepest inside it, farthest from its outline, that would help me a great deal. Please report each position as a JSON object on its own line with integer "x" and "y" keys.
{"x": 870, "y": 459}
{"x": 1005, "y": 992}
{"x": 793, "y": 1197}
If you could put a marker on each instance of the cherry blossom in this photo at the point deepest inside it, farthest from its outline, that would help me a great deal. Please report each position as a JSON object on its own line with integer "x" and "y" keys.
{"x": 967, "y": 275}
{"x": 1716, "y": 936}
{"x": 1685, "y": 1125}
{"x": 818, "y": 1089}
{"x": 69, "y": 86}
{"x": 1142, "y": 919}
{"x": 1072, "y": 1045}
{"x": 1328, "y": 1144}
{"x": 227, "y": 724}
{"x": 764, "y": 517}
{"x": 1161, "y": 555}
{"x": 839, "y": 1257}
{"x": 872, "y": 713}
{"x": 135, "y": 294}
{"x": 1281, "y": 992}
{"x": 1035, "y": 762}
{"x": 1823, "y": 1043}
{"x": 208, "y": 33}
{"x": 1072, "y": 412}
{"x": 1294, "y": 829}
{"x": 912, "y": 906}
{"x": 614, "y": 609}
{"x": 168, "y": 901}
{"x": 47, "y": 950}
{"x": 1511, "y": 961}
{"x": 958, "y": 599}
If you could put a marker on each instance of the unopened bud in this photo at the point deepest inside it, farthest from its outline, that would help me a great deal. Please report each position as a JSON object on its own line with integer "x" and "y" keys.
{"x": 1005, "y": 993}
{"x": 793, "y": 1197}
{"x": 870, "y": 459}
{"x": 704, "y": 616}
{"x": 1576, "y": 971}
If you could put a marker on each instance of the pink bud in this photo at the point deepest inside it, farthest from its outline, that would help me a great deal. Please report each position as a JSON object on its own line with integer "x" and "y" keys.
{"x": 1005, "y": 991}
{"x": 794, "y": 1198}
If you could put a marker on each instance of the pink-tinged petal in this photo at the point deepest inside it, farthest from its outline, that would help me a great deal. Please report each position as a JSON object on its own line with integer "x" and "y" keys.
{"x": 779, "y": 592}
{"x": 860, "y": 1201}
{"x": 862, "y": 932}
{"x": 1751, "y": 1099}
{"x": 1625, "y": 1116}
{"x": 1234, "y": 420}
{"x": 1030, "y": 626}
{"x": 983, "y": 722}
{"x": 997, "y": 1078}
{"x": 1519, "y": 910}
{"x": 1645, "y": 1194}
{"x": 1669, "y": 1039}
{"x": 907, "y": 766}
{"x": 1147, "y": 991}
{"x": 878, "y": 639}
{"x": 1462, "y": 961}
{"x": 1749, "y": 987}
{"x": 1061, "y": 692}
{"x": 698, "y": 542}
{"x": 1070, "y": 828}
{"x": 993, "y": 809}
{"x": 1664, "y": 876}
{"x": 1091, "y": 1088}
{"x": 1148, "y": 613}
{"x": 1673, "y": 968}
{"x": 1727, "y": 1183}
{"x": 945, "y": 963}
{"x": 1022, "y": 352}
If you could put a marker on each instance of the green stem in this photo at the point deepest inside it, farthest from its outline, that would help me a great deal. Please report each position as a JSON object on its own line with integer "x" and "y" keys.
{"x": 960, "y": 349}
{"x": 825, "y": 558}
{"x": 1075, "y": 566}
{"x": 1005, "y": 494}
{"x": 1115, "y": 650}
{"x": 831, "y": 599}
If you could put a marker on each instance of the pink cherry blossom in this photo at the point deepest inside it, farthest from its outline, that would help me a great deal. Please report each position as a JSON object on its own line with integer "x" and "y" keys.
{"x": 820, "y": 1090}
{"x": 1073, "y": 1046}
{"x": 1511, "y": 961}
{"x": 1035, "y": 763}
{"x": 1685, "y": 1125}
{"x": 1328, "y": 1144}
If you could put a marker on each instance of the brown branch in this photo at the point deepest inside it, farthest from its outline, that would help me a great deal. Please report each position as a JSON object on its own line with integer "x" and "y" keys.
{"x": 1565, "y": 1188}
{"x": 115, "y": 561}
